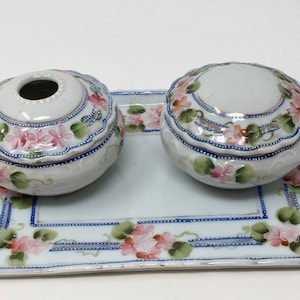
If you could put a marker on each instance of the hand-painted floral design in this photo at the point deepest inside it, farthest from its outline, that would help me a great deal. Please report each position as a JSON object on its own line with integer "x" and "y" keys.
{"x": 143, "y": 119}
{"x": 235, "y": 136}
{"x": 287, "y": 235}
{"x": 142, "y": 242}
{"x": 21, "y": 247}
{"x": 60, "y": 135}
{"x": 292, "y": 93}
{"x": 293, "y": 177}
{"x": 226, "y": 173}
{"x": 98, "y": 102}
{"x": 37, "y": 139}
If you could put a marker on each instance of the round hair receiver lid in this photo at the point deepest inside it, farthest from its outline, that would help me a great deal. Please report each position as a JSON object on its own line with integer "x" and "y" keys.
{"x": 235, "y": 108}
{"x": 48, "y": 116}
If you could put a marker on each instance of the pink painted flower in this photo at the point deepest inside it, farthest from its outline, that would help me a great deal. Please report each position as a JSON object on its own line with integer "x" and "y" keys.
{"x": 18, "y": 138}
{"x": 224, "y": 173}
{"x": 37, "y": 140}
{"x": 294, "y": 109}
{"x": 179, "y": 105}
{"x": 281, "y": 236}
{"x": 293, "y": 177}
{"x": 135, "y": 119}
{"x": 4, "y": 192}
{"x": 144, "y": 244}
{"x": 4, "y": 175}
{"x": 180, "y": 89}
{"x": 235, "y": 136}
{"x": 152, "y": 118}
{"x": 98, "y": 102}
{"x": 60, "y": 135}
{"x": 27, "y": 245}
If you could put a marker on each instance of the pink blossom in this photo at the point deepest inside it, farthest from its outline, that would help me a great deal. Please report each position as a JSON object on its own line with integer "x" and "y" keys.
{"x": 37, "y": 139}
{"x": 179, "y": 105}
{"x": 60, "y": 135}
{"x": 98, "y": 102}
{"x": 281, "y": 236}
{"x": 18, "y": 139}
{"x": 152, "y": 118}
{"x": 4, "y": 175}
{"x": 224, "y": 173}
{"x": 4, "y": 192}
{"x": 136, "y": 119}
{"x": 293, "y": 177}
{"x": 144, "y": 244}
{"x": 235, "y": 136}
{"x": 294, "y": 110}
{"x": 27, "y": 245}
{"x": 181, "y": 86}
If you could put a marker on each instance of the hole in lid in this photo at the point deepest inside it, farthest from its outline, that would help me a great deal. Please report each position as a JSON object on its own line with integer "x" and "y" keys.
{"x": 38, "y": 89}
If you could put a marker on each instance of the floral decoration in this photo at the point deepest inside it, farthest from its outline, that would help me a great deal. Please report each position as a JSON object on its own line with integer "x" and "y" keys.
{"x": 140, "y": 119}
{"x": 287, "y": 234}
{"x": 233, "y": 134}
{"x": 293, "y": 179}
{"x": 142, "y": 242}
{"x": 225, "y": 173}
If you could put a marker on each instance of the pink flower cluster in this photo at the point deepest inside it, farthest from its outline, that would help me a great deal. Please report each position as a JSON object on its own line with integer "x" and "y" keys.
{"x": 23, "y": 138}
{"x": 281, "y": 236}
{"x": 143, "y": 243}
{"x": 293, "y": 177}
{"x": 27, "y": 245}
{"x": 294, "y": 109}
{"x": 223, "y": 173}
{"x": 98, "y": 102}
{"x": 150, "y": 118}
{"x": 235, "y": 136}
{"x": 180, "y": 102}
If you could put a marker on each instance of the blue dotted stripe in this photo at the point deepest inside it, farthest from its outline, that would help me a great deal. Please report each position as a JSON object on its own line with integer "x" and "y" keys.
{"x": 225, "y": 147}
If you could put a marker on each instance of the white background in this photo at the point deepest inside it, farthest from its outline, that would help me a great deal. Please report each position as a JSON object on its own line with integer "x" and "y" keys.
{"x": 146, "y": 45}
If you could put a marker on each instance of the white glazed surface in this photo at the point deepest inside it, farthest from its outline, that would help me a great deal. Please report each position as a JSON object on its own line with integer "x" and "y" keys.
{"x": 233, "y": 125}
{"x": 58, "y": 144}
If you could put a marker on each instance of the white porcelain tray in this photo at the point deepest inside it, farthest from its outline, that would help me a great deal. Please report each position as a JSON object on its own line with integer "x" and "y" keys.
{"x": 146, "y": 214}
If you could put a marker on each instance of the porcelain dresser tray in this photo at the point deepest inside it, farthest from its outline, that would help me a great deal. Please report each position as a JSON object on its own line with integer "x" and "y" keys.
{"x": 147, "y": 214}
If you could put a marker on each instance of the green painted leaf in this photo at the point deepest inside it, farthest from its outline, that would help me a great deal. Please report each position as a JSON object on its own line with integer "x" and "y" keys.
{"x": 258, "y": 231}
{"x": 284, "y": 214}
{"x": 294, "y": 188}
{"x": 253, "y": 134}
{"x": 180, "y": 250}
{"x": 22, "y": 202}
{"x": 187, "y": 115}
{"x": 244, "y": 174}
{"x": 192, "y": 88}
{"x": 295, "y": 246}
{"x": 122, "y": 230}
{"x": 286, "y": 122}
{"x": 35, "y": 153}
{"x": 79, "y": 129}
{"x": 195, "y": 72}
{"x": 45, "y": 234}
{"x": 295, "y": 218}
{"x": 203, "y": 165}
{"x": 6, "y": 236}
{"x": 282, "y": 76}
{"x": 134, "y": 128}
{"x": 17, "y": 260}
{"x": 19, "y": 180}
{"x": 260, "y": 227}
{"x": 3, "y": 130}
{"x": 285, "y": 92}
{"x": 136, "y": 109}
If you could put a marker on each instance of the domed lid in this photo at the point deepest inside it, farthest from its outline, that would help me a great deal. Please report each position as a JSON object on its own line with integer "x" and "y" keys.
{"x": 235, "y": 108}
{"x": 51, "y": 114}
